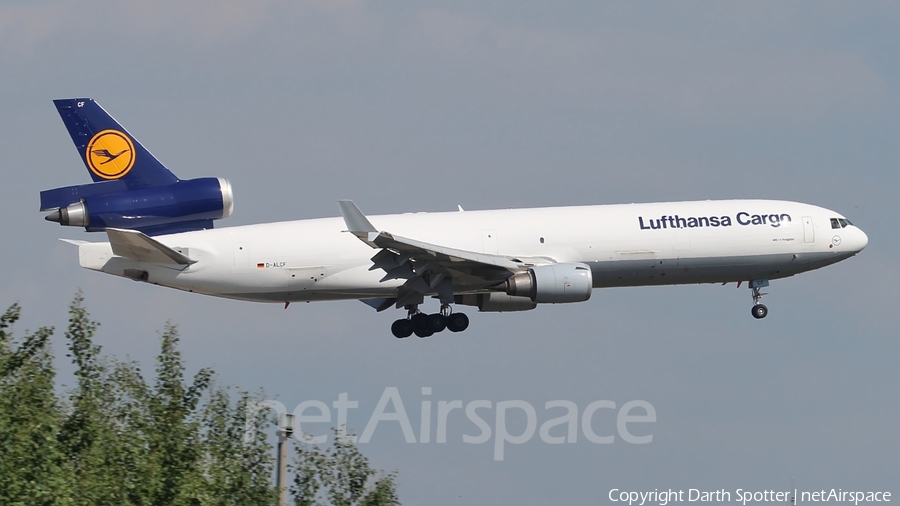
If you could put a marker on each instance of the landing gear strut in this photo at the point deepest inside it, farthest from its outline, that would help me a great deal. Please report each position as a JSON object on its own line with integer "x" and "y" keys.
{"x": 759, "y": 311}
{"x": 426, "y": 325}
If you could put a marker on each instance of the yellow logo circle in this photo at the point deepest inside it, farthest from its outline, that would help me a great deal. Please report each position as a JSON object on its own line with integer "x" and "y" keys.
{"x": 110, "y": 154}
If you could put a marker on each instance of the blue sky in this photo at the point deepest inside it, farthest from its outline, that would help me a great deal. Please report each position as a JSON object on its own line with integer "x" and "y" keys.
{"x": 422, "y": 107}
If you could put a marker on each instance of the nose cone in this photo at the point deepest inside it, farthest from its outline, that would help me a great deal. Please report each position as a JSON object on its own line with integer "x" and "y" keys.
{"x": 860, "y": 240}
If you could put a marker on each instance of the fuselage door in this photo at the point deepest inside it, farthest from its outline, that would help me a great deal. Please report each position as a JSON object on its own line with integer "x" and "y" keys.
{"x": 809, "y": 233}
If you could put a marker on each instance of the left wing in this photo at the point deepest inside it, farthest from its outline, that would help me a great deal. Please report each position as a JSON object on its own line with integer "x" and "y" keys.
{"x": 429, "y": 268}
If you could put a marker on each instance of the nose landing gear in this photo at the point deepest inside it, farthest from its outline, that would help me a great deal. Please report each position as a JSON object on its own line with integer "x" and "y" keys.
{"x": 759, "y": 311}
{"x": 425, "y": 325}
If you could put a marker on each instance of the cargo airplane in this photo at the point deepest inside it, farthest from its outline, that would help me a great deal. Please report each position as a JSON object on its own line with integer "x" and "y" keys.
{"x": 160, "y": 231}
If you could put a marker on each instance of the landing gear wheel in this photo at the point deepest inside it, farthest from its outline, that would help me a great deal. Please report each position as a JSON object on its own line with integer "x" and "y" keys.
{"x": 402, "y": 328}
{"x": 419, "y": 323}
{"x": 759, "y": 311}
{"x": 457, "y": 322}
{"x": 436, "y": 322}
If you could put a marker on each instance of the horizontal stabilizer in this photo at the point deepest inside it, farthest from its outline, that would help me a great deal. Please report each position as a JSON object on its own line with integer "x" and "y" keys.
{"x": 137, "y": 246}
{"x": 76, "y": 242}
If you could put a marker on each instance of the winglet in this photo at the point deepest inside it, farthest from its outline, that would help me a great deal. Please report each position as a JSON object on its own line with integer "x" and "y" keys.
{"x": 356, "y": 221}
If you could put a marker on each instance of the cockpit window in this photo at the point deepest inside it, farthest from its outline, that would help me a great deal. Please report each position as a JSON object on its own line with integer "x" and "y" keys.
{"x": 835, "y": 223}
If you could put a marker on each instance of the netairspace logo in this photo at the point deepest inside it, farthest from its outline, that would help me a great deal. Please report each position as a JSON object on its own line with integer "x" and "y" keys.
{"x": 561, "y": 428}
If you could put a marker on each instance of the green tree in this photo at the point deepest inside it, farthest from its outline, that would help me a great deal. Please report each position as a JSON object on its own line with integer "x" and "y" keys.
{"x": 340, "y": 475}
{"x": 237, "y": 469}
{"x": 130, "y": 442}
{"x": 117, "y": 439}
{"x": 31, "y": 467}
{"x": 170, "y": 442}
{"x": 89, "y": 436}
{"x": 175, "y": 446}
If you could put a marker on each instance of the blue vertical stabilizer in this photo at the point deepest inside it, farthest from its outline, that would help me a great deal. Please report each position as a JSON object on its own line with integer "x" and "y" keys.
{"x": 108, "y": 151}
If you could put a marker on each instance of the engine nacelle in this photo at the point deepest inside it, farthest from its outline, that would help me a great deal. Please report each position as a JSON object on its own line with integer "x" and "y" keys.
{"x": 496, "y": 302}
{"x": 181, "y": 206}
{"x": 554, "y": 283}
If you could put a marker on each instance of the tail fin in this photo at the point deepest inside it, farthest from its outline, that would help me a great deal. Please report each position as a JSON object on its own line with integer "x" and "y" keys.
{"x": 109, "y": 152}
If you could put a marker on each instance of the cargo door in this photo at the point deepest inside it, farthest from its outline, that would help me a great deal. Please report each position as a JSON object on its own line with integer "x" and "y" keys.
{"x": 809, "y": 233}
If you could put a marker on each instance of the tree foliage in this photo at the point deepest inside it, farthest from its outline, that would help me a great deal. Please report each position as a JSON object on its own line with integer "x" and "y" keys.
{"x": 116, "y": 438}
{"x": 32, "y": 468}
{"x": 340, "y": 476}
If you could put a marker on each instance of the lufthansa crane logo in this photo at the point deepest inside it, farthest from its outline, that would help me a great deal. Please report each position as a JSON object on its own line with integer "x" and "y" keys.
{"x": 110, "y": 154}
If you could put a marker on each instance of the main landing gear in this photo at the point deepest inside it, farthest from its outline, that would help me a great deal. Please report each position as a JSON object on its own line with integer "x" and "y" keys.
{"x": 426, "y": 325}
{"x": 759, "y": 311}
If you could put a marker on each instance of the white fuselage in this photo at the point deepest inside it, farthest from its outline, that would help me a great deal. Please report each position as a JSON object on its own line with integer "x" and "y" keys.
{"x": 624, "y": 245}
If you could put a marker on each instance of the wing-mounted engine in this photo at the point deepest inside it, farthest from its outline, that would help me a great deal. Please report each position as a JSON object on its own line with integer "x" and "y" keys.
{"x": 553, "y": 283}
{"x": 181, "y": 206}
{"x": 496, "y": 302}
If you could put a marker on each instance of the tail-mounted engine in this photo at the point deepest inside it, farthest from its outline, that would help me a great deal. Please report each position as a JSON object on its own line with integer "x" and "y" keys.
{"x": 554, "y": 283}
{"x": 185, "y": 205}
